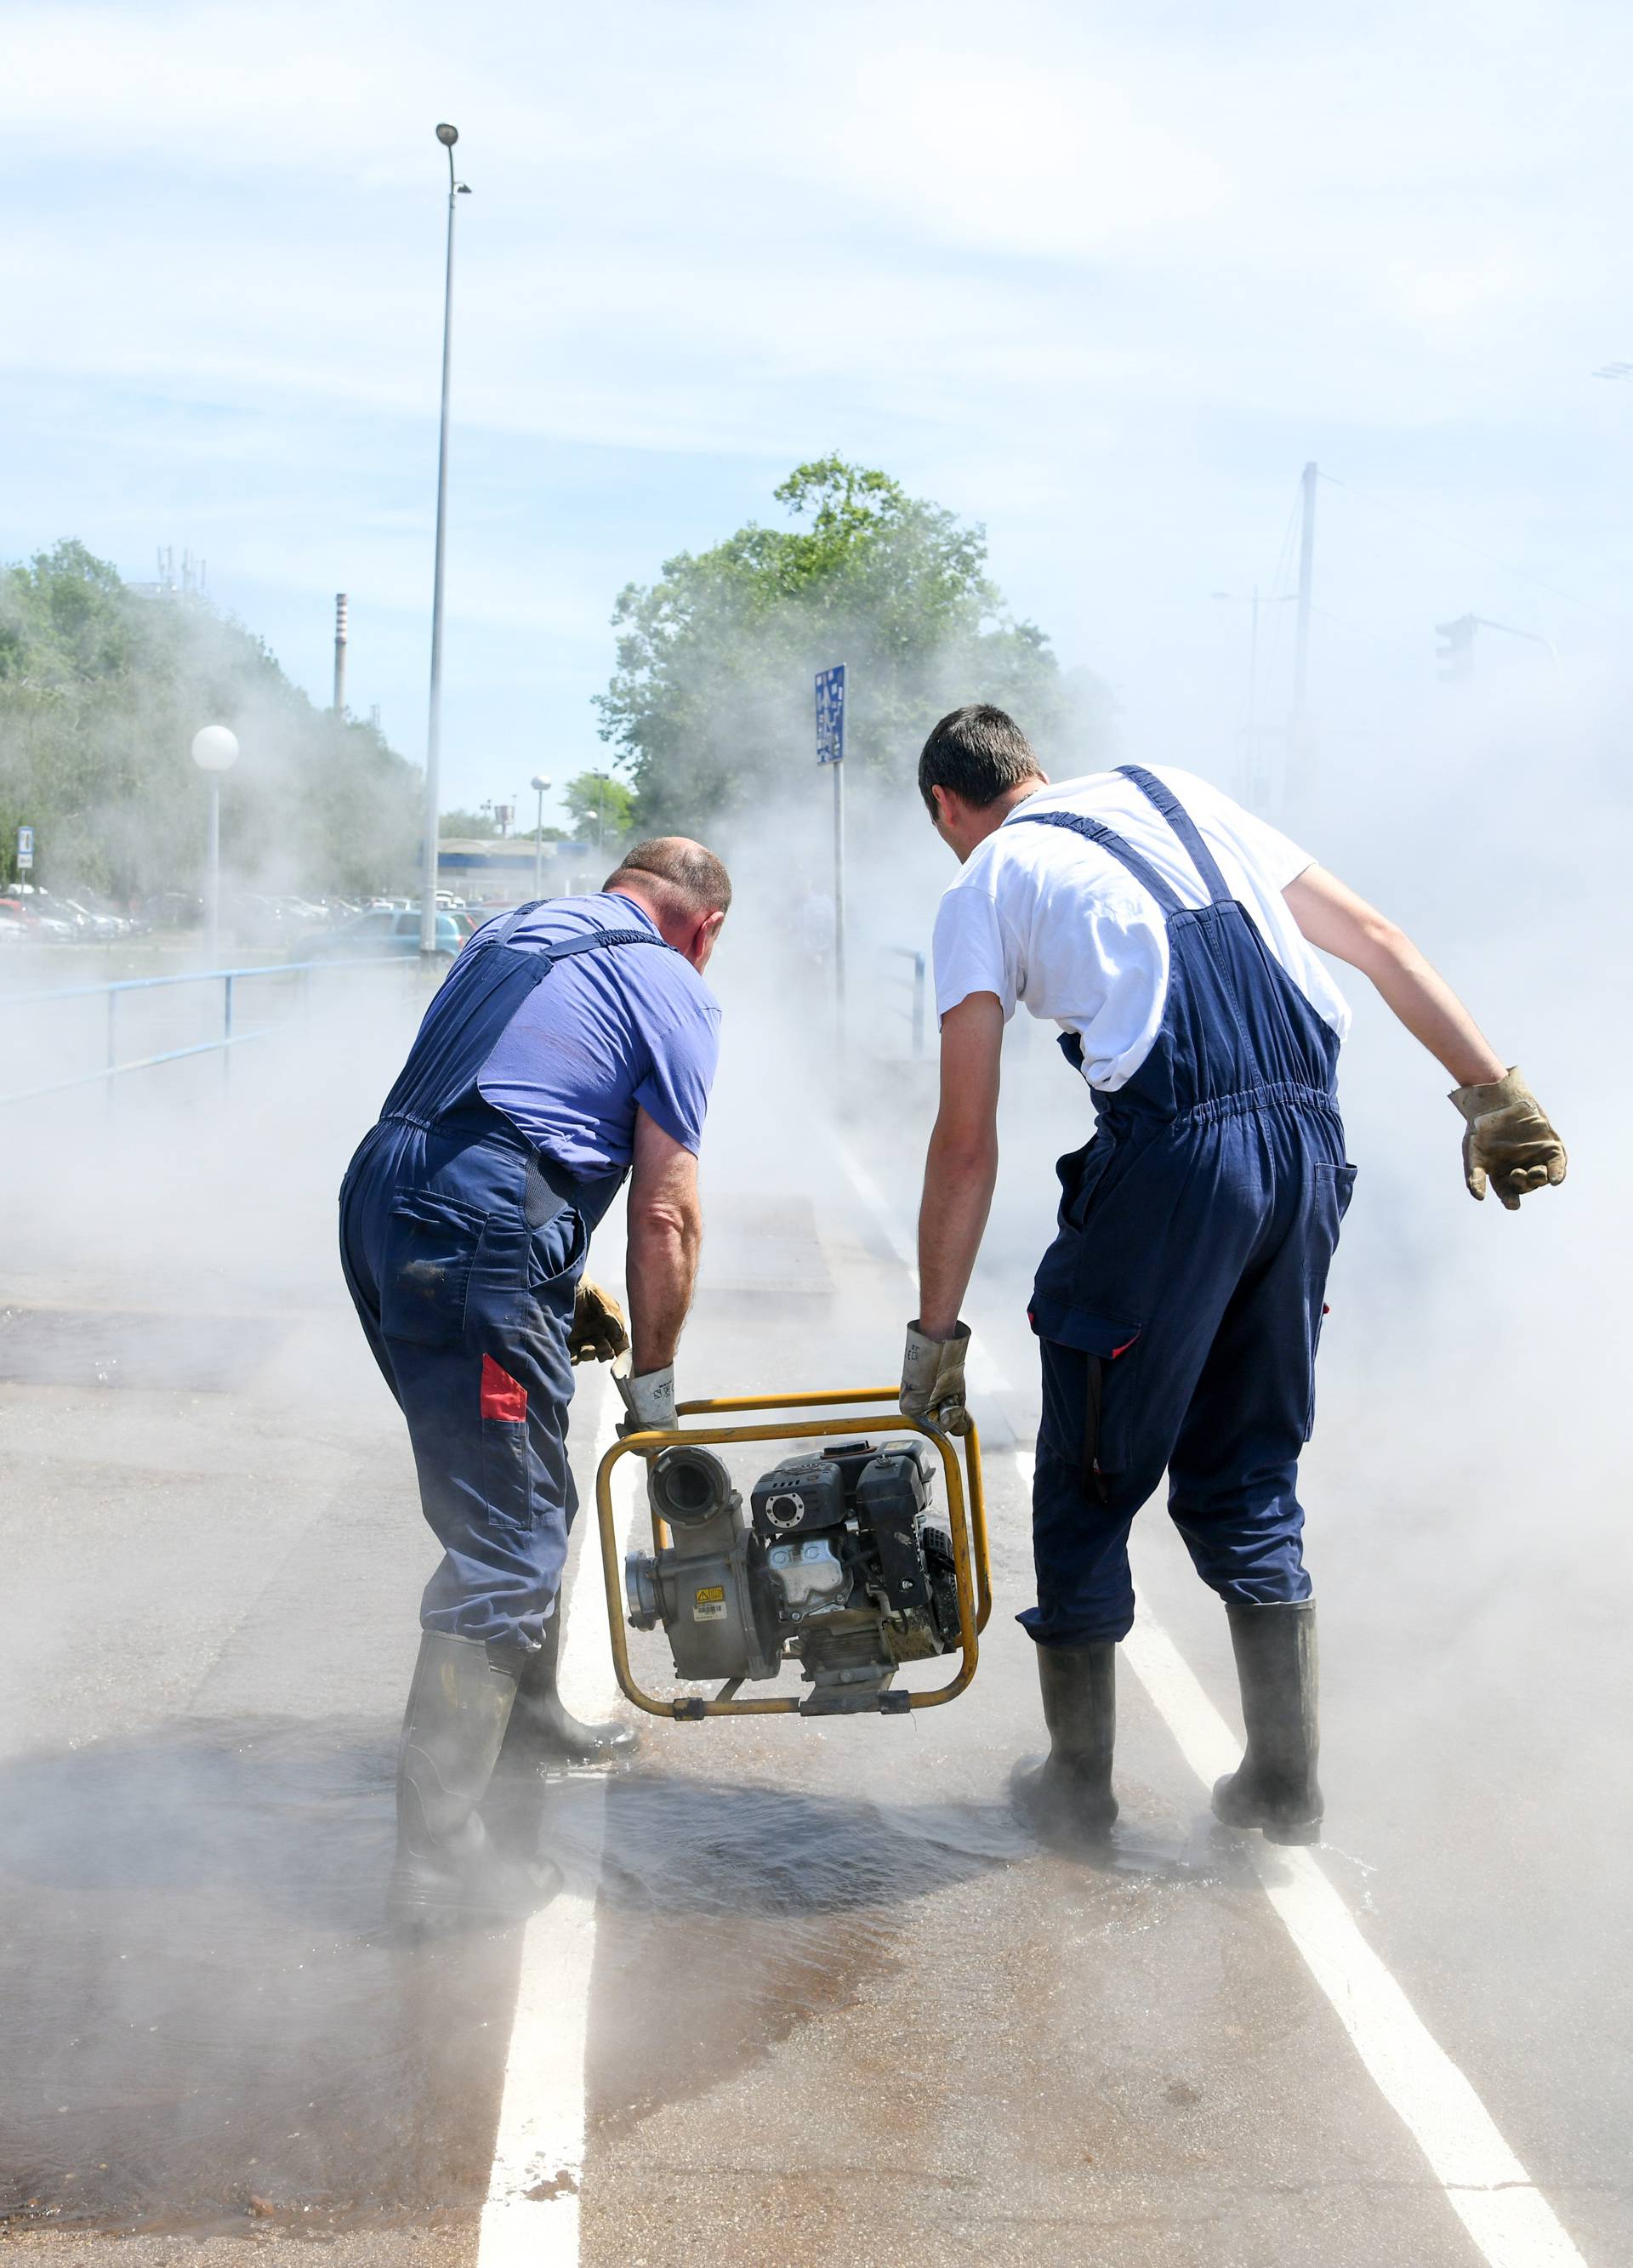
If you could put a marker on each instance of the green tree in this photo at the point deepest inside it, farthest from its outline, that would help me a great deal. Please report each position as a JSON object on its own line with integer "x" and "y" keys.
{"x": 102, "y": 687}
{"x": 468, "y": 827}
{"x": 600, "y": 806}
{"x": 712, "y": 695}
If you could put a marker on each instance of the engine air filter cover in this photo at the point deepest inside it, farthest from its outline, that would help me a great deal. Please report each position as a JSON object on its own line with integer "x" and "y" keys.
{"x": 802, "y": 1494}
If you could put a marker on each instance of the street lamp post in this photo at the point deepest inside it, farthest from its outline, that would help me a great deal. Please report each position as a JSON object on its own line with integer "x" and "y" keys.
{"x": 447, "y": 135}
{"x": 215, "y": 751}
{"x": 540, "y": 785}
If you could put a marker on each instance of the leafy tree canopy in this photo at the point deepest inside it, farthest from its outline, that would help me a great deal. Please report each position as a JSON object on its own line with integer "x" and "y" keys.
{"x": 600, "y": 806}
{"x": 713, "y": 698}
{"x": 468, "y": 827}
{"x": 102, "y": 687}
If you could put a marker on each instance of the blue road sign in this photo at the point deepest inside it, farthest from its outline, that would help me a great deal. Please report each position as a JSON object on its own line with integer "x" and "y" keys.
{"x": 25, "y": 848}
{"x": 831, "y": 715}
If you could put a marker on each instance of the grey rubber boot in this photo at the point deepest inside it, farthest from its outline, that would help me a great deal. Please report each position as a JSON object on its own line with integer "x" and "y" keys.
{"x": 542, "y": 1730}
{"x": 1274, "y": 1787}
{"x": 1069, "y": 1794}
{"x": 448, "y": 1869}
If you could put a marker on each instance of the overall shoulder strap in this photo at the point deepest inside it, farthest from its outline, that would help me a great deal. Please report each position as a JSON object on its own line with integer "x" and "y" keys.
{"x": 593, "y": 940}
{"x": 506, "y": 925}
{"x": 1125, "y": 855}
{"x": 1184, "y": 827}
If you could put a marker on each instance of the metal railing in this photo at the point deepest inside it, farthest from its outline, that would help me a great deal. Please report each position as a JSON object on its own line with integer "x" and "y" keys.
{"x": 231, "y": 1035}
{"x": 918, "y": 959}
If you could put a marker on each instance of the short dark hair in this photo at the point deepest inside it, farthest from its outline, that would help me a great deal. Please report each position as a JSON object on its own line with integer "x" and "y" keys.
{"x": 686, "y": 871}
{"x": 979, "y": 752}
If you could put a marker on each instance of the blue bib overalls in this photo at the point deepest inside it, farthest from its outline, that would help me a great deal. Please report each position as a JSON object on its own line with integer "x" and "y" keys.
{"x": 463, "y": 1247}
{"x": 1180, "y": 1303}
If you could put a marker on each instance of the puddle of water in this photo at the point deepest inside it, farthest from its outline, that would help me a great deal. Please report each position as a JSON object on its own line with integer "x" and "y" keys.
{"x": 205, "y": 2028}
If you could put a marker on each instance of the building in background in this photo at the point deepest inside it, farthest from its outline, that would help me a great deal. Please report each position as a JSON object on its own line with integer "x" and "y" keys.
{"x": 499, "y": 873}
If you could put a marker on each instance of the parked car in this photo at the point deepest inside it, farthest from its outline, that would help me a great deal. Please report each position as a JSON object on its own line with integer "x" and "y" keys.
{"x": 47, "y": 927}
{"x": 173, "y": 909}
{"x": 92, "y": 921}
{"x": 379, "y": 934}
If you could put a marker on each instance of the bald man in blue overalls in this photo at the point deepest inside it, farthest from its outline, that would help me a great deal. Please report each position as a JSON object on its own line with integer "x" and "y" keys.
{"x": 1170, "y": 934}
{"x": 573, "y": 1043}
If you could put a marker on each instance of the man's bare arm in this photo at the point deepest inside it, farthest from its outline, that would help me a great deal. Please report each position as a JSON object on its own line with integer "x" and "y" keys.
{"x": 961, "y": 1168}
{"x": 665, "y": 1232}
{"x": 1336, "y": 921}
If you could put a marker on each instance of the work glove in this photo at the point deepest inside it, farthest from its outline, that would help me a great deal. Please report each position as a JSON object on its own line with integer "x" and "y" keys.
{"x": 1508, "y": 1138}
{"x": 933, "y": 1379}
{"x": 649, "y": 1401}
{"x": 598, "y": 1332}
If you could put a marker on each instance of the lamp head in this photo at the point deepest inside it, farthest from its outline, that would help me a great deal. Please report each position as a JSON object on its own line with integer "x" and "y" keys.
{"x": 447, "y": 135}
{"x": 214, "y": 749}
{"x": 540, "y": 782}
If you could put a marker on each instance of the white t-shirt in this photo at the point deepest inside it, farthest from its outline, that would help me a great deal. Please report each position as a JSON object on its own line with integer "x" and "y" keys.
{"x": 1041, "y": 915}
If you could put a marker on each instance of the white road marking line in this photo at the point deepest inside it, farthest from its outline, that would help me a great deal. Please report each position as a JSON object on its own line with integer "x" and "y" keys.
{"x": 531, "y": 2216}
{"x": 1488, "y": 2188}
{"x": 982, "y": 1371}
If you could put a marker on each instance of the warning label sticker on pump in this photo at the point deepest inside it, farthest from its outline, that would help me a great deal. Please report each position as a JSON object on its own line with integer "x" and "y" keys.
{"x": 709, "y": 1604}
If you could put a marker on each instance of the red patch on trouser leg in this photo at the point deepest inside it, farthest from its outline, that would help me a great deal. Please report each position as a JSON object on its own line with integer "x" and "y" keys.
{"x": 501, "y": 1395}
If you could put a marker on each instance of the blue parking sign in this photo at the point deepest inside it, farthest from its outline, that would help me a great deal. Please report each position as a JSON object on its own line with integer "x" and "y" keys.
{"x": 831, "y": 715}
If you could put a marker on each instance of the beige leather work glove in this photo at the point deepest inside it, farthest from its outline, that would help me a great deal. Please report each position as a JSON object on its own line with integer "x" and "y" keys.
{"x": 1508, "y": 1140}
{"x": 933, "y": 1379}
{"x": 598, "y": 1332}
{"x": 649, "y": 1400}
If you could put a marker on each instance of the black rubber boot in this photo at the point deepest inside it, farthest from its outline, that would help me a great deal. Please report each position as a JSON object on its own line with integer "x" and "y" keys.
{"x": 541, "y": 1730}
{"x": 1274, "y": 1786}
{"x": 1068, "y": 1796}
{"x": 448, "y": 1870}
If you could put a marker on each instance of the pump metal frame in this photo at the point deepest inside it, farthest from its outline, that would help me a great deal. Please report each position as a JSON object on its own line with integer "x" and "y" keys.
{"x": 966, "y": 1516}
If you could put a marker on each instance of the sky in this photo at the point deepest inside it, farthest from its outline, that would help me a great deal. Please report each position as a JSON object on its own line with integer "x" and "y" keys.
{"x": 1102, "y": 278}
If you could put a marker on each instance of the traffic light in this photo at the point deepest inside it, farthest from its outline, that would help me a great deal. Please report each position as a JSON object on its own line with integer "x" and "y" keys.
{"x": 1456, "y": 652}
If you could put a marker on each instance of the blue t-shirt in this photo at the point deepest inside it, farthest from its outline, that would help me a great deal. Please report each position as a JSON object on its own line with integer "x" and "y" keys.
{"x": 606, "y": 1032}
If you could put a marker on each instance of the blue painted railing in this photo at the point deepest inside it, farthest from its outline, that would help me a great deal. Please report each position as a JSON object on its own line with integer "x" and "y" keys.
{"x": 231, "y": 1037}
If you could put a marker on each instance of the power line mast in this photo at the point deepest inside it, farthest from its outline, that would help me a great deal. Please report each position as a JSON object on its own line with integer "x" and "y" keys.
{"x": 1300, "y": 738}
{"x": 339, "y": 702}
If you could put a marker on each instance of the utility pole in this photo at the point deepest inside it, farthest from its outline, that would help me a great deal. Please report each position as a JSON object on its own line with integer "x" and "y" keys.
{"x": 1299, "y": 737}
{"x": 540, "y": 783}
{"x": 1456, "y": 652}
{"x": 830, "y": 702}
{"x": 339, "y": 702}
{"x": 447, "y": 135}
{"x": 1255, "y": 788}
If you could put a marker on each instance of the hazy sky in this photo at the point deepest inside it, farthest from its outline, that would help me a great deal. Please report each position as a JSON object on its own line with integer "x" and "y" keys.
{"x": 1102, "y": 277}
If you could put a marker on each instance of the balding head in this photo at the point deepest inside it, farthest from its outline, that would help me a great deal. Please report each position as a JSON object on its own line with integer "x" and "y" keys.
{"x": 683, "y": 887}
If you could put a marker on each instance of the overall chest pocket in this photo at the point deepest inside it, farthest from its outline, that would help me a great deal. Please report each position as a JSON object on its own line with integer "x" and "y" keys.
{"x": 431, "y": 1250}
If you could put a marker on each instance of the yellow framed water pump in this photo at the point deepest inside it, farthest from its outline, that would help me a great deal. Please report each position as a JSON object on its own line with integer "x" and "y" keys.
{"x": 840, "y": 1561}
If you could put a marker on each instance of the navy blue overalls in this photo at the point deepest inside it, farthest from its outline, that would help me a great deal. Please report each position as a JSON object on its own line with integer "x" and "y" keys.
{"x": 1180, "y": 1303}
{"x": 463, "y": 1247}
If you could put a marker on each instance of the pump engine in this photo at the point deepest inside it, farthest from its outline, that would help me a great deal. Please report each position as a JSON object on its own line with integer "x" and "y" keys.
{"x": 839, "y": 1562}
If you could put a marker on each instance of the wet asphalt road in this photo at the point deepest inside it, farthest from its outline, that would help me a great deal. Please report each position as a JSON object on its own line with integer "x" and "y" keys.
{"x": 841, "y": 2008}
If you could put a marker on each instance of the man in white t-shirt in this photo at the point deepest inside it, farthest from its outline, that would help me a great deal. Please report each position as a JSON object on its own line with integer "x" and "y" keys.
{"x": 1172, "y": 937}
